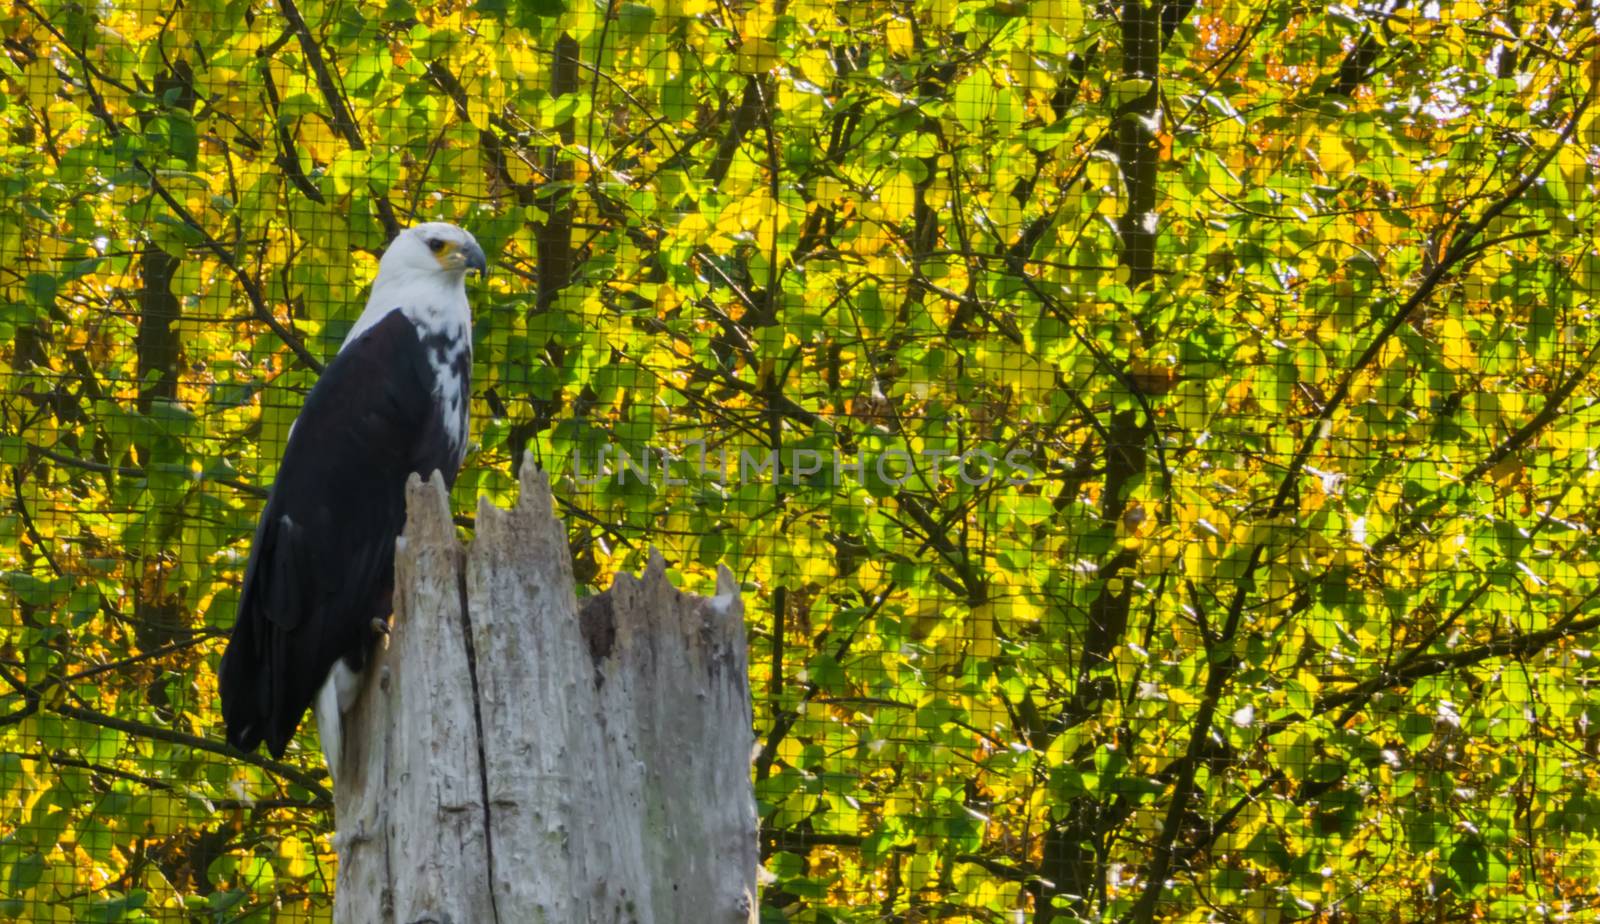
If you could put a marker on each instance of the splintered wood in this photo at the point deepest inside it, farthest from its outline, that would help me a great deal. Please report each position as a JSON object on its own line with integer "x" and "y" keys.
{"x": 514, "y": 760}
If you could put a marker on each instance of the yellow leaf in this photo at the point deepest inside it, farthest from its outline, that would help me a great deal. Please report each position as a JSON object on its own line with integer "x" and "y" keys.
{"x": 902, "y": 40}
{"x": 898, "y": 197}
{"x": 1332, "y": 154}
{"x": 1456, "y": 347}
{"x": 299, "y": 860}
{"x": 828, "y": 189}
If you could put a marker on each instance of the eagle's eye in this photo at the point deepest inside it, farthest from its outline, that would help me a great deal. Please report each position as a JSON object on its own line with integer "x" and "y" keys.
{"x": 435, "y": 244}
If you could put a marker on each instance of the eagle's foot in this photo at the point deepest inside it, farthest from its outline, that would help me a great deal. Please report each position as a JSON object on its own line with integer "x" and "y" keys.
{"x": 380, "y": 626}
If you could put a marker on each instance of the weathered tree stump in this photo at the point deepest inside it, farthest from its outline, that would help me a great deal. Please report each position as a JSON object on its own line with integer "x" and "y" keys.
{"x": 511, "y": 760}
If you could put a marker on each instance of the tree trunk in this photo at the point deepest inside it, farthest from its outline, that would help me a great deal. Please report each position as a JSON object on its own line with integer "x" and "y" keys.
{"x": 514, "y": 757}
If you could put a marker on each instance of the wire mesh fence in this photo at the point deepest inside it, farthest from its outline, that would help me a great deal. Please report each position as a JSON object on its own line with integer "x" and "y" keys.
{"x": 1154, "y": 439}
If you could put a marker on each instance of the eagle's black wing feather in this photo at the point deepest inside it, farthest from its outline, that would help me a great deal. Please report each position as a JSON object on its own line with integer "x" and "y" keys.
{"x": 322, "y": 564}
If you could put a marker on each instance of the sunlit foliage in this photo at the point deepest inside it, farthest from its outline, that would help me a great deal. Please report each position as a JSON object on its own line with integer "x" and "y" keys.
{"x": 1275, "y": 320}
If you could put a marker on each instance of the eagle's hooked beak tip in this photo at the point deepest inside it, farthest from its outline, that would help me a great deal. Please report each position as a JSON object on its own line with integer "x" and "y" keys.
{"x": 476, "y": 260}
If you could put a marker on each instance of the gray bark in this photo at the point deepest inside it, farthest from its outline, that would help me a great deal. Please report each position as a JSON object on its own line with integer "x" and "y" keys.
{"x": 512, "y": 759}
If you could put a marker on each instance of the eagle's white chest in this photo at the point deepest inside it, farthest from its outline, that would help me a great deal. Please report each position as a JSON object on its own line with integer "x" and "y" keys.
{"x": 446, "y": 339}
{"x": 450, "y": 389}
{"x": 436, "y": 305}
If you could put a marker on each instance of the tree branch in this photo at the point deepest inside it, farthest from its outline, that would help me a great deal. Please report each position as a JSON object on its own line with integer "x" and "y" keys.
{"x": 1524, "y": 434}
{"x": 343, "y": 122}
{"x": 1460, "y": 247}
{"x": 310, "y": 781}
{"x": 488, "y": 141}
{"x": 744, "y": 118}
{"x": 252, "y": 290}
{"x": 127, "y": 471}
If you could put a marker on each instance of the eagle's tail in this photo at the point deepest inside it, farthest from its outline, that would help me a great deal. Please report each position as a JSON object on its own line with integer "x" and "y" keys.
{"x": 237, "y": 681}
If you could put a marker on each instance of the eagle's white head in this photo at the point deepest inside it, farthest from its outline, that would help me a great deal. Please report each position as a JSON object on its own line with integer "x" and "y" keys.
{"x": 434, "y": 248}
{"x": 423, "y": 273}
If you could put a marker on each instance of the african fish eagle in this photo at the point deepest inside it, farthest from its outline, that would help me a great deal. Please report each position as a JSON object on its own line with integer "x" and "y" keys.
{"x": 318, "y": 587}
